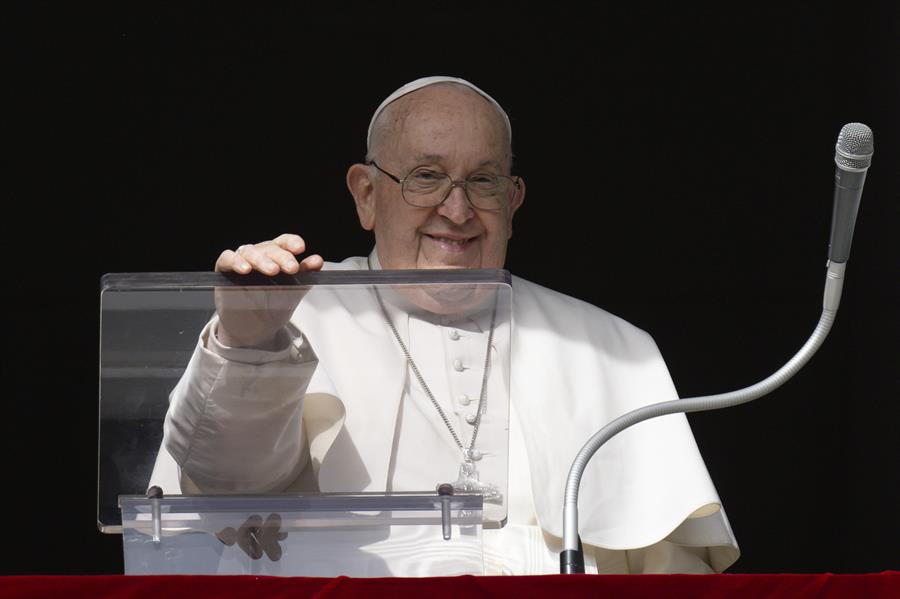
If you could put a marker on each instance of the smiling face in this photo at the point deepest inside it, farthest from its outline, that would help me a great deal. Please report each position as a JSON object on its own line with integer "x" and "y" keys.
{"x": 447, "y": 128}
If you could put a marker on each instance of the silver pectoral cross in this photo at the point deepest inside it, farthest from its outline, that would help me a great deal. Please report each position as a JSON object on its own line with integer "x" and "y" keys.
{"x": 468, "y": 482}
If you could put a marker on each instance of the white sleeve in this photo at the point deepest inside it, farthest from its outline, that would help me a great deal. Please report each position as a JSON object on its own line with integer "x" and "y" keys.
{"x": 234, "y": 423}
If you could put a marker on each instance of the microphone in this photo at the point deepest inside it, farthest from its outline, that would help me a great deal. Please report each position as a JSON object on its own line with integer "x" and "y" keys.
{"x": 853, "y": 155}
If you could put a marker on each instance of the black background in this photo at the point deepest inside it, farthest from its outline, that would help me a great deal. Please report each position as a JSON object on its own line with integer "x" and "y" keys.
{"x": 680, "y": 175}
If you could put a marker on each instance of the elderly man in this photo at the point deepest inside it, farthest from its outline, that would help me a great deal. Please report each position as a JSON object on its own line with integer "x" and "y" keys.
{"x": 437, "y": 192}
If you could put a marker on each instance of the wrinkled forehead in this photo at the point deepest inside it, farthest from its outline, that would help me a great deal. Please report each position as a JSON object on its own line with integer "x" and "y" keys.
{"x": 418, "y": 84}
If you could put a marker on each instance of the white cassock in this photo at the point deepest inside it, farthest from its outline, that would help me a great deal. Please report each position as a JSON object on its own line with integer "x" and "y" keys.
{"x": 647, "y": 503}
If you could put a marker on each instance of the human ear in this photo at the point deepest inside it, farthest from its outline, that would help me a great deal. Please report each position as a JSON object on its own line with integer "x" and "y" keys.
{"x": 362, "y": 187}
{"x": 516, "y": 202}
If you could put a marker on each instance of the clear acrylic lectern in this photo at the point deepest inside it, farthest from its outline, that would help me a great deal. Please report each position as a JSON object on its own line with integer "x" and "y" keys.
{"x": 346, "y": 422}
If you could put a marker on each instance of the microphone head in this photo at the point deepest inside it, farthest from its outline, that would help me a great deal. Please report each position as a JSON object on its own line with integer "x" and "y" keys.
{"x": 854, "y": 148}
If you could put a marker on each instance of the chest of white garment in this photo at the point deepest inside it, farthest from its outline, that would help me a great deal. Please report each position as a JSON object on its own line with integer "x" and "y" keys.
{"x": 450, "y": 357}
{"x": 462, "y": 377}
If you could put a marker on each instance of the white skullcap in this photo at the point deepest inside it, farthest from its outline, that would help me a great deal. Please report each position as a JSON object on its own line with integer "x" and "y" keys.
{"x": 424, "y": 82}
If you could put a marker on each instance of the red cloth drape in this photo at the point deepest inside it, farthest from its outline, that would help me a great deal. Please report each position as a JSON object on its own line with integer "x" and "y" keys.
{"x": 885, "y": 584}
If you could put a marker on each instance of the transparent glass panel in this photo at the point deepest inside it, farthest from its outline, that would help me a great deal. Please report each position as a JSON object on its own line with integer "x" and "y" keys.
{"x": 338, "y": 535}
{"x": 371, "y": 383}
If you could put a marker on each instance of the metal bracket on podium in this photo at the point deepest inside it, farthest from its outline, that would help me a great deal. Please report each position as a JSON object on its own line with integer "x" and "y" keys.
{"x": 154, "y": 494}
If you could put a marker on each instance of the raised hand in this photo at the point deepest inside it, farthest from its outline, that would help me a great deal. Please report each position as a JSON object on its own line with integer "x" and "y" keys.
{"x": 253, "y": 317}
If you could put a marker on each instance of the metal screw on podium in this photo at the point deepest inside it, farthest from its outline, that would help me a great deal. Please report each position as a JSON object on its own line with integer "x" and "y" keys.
{"x": 154, "y": 494}
{"x": 445, "y": 491}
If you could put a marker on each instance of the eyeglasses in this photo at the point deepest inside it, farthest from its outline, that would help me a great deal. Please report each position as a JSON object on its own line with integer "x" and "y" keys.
{"x": 426, "y": 188}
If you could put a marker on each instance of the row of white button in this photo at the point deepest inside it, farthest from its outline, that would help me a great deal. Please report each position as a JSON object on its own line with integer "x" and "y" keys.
{"x": 458, "y": 366}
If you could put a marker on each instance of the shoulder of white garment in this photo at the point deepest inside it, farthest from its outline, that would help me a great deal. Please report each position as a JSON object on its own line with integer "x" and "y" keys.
{"x": 537, "y": 308}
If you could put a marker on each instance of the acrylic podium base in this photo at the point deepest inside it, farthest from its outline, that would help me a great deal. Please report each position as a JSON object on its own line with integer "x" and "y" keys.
{"x": 358, "y": 535}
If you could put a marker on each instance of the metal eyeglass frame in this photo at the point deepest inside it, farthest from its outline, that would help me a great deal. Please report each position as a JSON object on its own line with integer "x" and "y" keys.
{"x": 463, "y": 183}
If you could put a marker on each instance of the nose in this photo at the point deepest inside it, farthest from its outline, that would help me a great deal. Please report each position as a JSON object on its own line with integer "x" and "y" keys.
{"x": 456, "y": 206}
